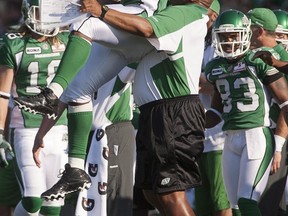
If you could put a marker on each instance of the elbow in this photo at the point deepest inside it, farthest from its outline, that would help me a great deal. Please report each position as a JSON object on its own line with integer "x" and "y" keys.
{"x": 146, "y": 30}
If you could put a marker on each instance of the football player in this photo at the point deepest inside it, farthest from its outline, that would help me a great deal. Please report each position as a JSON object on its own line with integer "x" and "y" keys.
{"x": 264, "y": 25}
{"x": 243, "y": 94}
{"x": 28, "y": 60}
{"x": 177, "y": 78}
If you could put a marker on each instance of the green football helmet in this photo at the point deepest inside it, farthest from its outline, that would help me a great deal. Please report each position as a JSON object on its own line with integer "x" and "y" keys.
{"x": 282, "y": 28}
{"x": 231, "y": 21}
{"x": 31, "y": 14}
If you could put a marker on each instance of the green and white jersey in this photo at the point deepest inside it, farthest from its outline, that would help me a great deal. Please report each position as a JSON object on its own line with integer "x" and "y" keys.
{"x": 179, "y": 27}
{"x": 34, "y": 64}
{"x": 245, "y": 98}
{"x": 175, "y": 69}
{"x": 274, "y": 109}
{"x": 113, "y": 101}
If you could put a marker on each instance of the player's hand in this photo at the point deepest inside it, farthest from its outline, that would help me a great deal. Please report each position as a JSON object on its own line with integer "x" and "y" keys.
{"x": 5, "y": 149}
{"x": 265, "y": 55}
{"x": 38, "y": 145}
{"x": 276, "y": 162}
{"x": 91, "y": 6}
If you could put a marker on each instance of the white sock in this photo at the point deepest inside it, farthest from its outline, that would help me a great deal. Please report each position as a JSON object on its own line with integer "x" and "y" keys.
{"x": 56, "y": 88}
{"x": 87, "y": 107}
{"x": 20, "y": 211}
{"x": 76, "y": 162}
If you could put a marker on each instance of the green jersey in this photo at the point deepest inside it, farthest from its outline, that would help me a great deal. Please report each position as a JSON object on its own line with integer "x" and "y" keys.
{"x": 240, "y": 83}
{"x": 34, "y": 64}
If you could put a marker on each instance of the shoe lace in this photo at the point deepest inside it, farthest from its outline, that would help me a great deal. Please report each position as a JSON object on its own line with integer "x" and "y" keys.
{"x": 61, "y": 173}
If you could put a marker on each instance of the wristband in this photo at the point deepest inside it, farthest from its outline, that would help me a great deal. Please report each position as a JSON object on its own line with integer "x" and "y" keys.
{"x": 216, "y": 112}
{"x": 104, "y": 8}
{"x": 279, "y": 142}
{"x": 4, "y": 95}
{"x": 283, "y": 104}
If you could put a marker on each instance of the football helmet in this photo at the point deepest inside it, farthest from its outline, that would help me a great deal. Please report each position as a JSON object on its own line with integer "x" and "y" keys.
{"x": 31, "y": 14}
{"x": 282, "y": 28}
{"x": 231, "y": 22}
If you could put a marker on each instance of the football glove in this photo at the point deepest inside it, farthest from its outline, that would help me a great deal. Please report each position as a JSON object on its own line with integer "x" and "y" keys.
{"x": 5, "y": 149}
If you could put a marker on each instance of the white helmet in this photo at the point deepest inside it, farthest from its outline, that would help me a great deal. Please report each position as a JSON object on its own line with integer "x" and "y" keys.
{"x": 32, "y": 19}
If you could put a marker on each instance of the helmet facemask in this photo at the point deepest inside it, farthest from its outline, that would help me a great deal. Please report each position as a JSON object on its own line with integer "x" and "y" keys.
{"x": 231, "y": 41}
{"x": 282, "y": 36}
{"x": 35, "y": 25}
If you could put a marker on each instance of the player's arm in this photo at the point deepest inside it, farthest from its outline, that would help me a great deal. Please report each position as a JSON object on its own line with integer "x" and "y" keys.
{"x": 128, "y": 22}
{"x": 204, "y": 86}
{"x": 6, "y": 79}
{"x": 44, "y": 128}
{"x": 269, "y": 59}
{"x": 213, "y": 115}
{"x": 279, "y": 89}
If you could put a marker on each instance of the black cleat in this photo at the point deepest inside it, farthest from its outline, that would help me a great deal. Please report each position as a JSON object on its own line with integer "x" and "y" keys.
{"x": 44, "y": 103}
{"x": 73, "y": 179}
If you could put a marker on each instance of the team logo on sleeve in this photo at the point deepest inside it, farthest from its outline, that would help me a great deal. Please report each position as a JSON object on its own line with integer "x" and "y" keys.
{"x": 33, "y": 50}
{"x": 92, "y": 169}
{"x": 217, "y": 71}
{"x": 87, "y": 204}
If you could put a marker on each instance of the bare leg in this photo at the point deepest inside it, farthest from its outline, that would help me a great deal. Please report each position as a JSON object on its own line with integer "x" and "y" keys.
{"x": 170, "y": 204}
{"x": 152, "y": 198}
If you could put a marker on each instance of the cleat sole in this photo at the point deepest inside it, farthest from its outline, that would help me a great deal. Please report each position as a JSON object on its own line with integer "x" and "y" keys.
{"x": 34, "y": 112}
{"x": 62, "y": 195}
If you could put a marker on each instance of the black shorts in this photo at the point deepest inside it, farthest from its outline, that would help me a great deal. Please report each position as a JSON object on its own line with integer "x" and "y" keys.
{"x": 169, "y": 142}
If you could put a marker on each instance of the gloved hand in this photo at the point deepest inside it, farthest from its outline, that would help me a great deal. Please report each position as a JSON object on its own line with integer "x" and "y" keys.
{"x": 5, "y": 147}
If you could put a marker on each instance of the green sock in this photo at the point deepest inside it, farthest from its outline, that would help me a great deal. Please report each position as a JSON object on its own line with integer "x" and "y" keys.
{"x": 236, "y": 212}
{"x": 248, "y": 207}
{"x": 74, "y": 58}
{"x": 50, "y": 210}
{"x": 79, "y": 126}
{"x": 31, "y": 204}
